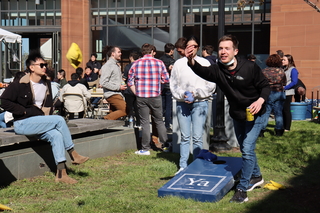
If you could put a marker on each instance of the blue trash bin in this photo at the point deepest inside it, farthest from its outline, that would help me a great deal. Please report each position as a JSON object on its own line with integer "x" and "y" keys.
{"x": 298, "y": 110}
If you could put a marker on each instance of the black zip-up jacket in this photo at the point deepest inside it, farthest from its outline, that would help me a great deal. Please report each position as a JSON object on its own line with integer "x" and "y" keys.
{"x": 18, "y": 99}
{"x": 243, "y": 88}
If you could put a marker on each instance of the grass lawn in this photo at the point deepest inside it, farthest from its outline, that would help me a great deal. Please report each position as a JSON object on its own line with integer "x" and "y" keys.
{"x": 129, "y": 183}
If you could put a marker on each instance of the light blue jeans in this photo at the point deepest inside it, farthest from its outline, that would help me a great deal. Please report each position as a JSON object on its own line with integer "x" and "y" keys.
{"x": 2, "y": 122}
{"x": 247, "y": 133}
{"x": 191, "y": 119}
{"x": 275, "y": 102}
{"x": 51, "y": 128}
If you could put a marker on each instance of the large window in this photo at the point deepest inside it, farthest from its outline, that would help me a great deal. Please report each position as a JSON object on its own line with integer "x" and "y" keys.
{"x": 130, "y": 23}
{"x": 30, "y": 13}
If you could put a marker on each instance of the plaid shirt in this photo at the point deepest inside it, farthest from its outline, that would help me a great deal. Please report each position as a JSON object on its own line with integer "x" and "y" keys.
{"x": 147, "y": 74}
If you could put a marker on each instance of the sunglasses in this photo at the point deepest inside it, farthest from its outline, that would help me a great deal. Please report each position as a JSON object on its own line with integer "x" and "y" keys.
{"x": 42, "y": 65}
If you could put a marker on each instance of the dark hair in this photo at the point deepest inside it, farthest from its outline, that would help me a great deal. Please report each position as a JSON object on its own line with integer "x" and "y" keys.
{"x": 89, "y": 67}
{"x": 79, "y": 71}
{"x": 147, "y": 49}
{"x": 108, "y": 50}
{"x": 168, "y": 47}
{"x": 208, "y": 49}
{"x": 18, "y": 75}
{"x": 193, "y": 38}
{"x": 74, "y": 76}
{"x": 280, "y": 53}
{"x": 50, "y": 73}
{"x": 135, "y": 54}
{"x": 32, "y": 58}
{"x": 181, "y": 43}
{"x": 290, "y": 61}
{"x": 274, "y": 60}
{"x": 63, "y": 73}
{"x": 94, "y": 54}
{"x": 251, "y": 57}
{"x": 231, "y": 38}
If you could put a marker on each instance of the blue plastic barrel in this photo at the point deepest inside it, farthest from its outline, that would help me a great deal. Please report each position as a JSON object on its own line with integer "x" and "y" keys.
{"x": 298, "y": 110}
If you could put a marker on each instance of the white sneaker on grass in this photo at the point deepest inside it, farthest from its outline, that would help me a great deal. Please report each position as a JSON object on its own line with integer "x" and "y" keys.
{"x": 142, "y": 152}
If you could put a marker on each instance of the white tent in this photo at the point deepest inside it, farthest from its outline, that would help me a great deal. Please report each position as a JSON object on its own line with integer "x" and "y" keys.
{"x": 9, "y": 37}
{"x": 46, "y": 50}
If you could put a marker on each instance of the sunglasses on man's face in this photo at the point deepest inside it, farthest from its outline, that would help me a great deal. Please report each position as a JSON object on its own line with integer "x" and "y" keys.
{"x": 42, "y": 65}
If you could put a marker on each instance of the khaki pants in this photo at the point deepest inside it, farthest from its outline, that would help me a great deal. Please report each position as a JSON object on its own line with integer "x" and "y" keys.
{"x": 117, "y": 107}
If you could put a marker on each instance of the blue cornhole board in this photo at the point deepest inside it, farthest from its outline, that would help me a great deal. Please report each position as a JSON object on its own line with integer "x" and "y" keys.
{"x": 203, "y": 180}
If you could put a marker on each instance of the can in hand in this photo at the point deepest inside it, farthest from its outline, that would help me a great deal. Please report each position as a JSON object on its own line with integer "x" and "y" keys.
{"x": 250, "y": 117}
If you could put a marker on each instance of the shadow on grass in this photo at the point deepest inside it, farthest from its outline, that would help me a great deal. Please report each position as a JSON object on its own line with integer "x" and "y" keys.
{"x": 303, "y": 191}
{"x": 302, "y": 196}
{"x": 81, "y": 174}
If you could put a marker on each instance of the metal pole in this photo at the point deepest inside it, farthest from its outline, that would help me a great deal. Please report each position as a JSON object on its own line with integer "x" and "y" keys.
{"x": 1, "y": 70}
{"x": 175, "y": 23}
{"x": 219, "y": 139}
{"x": 252, "y": 33}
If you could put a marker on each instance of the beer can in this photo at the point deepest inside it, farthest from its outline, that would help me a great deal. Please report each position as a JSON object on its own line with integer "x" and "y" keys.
{"x": 250, "y": 117}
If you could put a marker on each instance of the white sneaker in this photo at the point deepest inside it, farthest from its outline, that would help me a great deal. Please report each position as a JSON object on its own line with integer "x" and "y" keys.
{"x": 180, "y": 170}
{"x": 141, "y": 152}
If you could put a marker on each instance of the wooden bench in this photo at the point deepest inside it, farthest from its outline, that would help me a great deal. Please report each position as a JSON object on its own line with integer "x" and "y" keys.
{"x": 76, "y": 126}
{"x": 25, "y": 157}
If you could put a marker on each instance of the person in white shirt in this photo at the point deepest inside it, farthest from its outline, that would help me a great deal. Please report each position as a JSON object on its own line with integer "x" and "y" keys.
{"x": 192, "y": 94}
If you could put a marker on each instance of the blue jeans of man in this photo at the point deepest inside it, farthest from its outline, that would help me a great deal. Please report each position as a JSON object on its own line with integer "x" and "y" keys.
{"x": 51, "y": 128}
{"x": 167, "y": 106}
{"x": 2, "y": 122}
{"x": 275, "y": 102}
{"x": 191, "y": 119}
{"x": 247, "y": 133}
{"x": 146, "y": 106}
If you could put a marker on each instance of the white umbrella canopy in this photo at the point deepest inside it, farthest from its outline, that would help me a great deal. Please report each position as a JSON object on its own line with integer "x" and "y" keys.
{"x": 9, "y": 37}
{"x": 46, "y": 50}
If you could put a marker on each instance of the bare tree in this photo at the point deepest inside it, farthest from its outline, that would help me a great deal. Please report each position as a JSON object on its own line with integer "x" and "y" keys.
{"x": 242, "y": 3}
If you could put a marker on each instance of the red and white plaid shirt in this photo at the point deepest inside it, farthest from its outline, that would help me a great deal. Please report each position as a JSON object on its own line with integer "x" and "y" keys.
{"x": 147, "y": 74}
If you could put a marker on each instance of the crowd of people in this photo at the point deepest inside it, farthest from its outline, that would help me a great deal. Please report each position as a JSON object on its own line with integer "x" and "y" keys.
{"x": 146, "y": 88}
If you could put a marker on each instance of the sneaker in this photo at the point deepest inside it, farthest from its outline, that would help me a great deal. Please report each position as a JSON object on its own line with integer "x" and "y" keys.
{"x": 169, "y": 130}
{"x": 180, "y": 170}
{"x": 239, "y": 197}
{"x": 255, "y": 182}
{"x": 142, "y": 152}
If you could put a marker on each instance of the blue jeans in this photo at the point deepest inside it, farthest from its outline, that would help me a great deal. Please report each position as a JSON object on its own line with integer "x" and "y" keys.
{"x": 191, "y": 119}
{"x": 247, "y": 133}
{"x": 2, "y": 122}
{"x": 51, "y": 128}
{"x": 275, "y": 102}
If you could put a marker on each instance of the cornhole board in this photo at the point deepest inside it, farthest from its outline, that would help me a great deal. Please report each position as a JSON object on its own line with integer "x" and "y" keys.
{"x": 203, "y": 180}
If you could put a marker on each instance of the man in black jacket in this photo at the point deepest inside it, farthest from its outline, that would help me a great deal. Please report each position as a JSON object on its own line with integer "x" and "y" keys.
{"x": 166, "y": 94}
{"x": 30, "y": 102}
{"x": 245, "y": 86}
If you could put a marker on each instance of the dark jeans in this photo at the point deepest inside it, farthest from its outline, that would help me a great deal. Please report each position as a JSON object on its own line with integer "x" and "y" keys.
{"x": 145, "y": 107}
{"x": 287, "y": 117}
{"x": 132, "y": 109}
{"x": 167, "y": 106}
